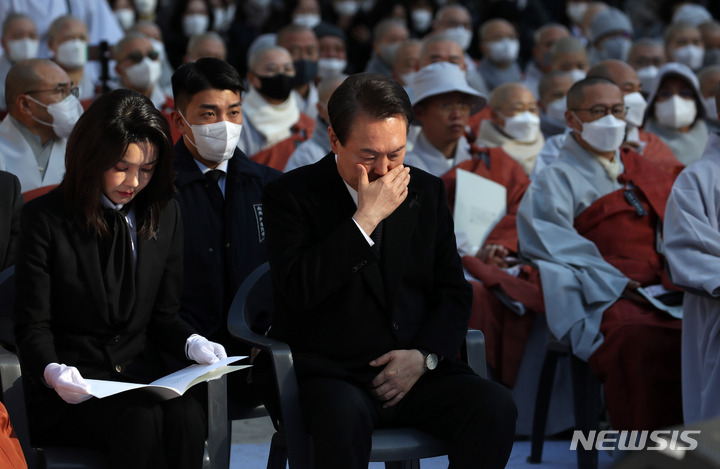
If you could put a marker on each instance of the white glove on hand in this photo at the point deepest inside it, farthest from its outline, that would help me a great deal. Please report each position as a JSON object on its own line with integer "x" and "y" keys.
{"x": 203, "y": 351}
{"x": 67, "y": 382}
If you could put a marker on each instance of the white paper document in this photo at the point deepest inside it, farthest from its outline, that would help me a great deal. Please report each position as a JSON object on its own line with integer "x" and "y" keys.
{"x": 651, "y": 292}
{"x": 172, "y": 385}
{"x": 479, "y": 205}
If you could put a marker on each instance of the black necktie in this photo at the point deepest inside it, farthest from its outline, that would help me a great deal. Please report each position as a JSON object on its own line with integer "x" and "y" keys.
{"x": 376, "y": 236}
{"x": 212, "y": 177}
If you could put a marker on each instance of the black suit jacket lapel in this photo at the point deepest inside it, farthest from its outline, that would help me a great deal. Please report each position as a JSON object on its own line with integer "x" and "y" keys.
{"x": 397, "y": 233}
{"x": 86, "y": 250}
{"x": 334, "y": 203}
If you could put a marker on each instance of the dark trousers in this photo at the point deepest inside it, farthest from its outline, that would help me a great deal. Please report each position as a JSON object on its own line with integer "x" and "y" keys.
{"x": 132, "y": 428}
{"x": 476, "y": 416}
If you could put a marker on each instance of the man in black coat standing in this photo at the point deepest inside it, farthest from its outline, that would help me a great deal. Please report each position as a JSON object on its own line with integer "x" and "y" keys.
{"x": 219, "y": 191}
{"x": 370, "y": 293}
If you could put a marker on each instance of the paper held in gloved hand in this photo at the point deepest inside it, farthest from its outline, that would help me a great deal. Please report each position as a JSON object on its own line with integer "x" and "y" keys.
{"x": 172, "y": 385}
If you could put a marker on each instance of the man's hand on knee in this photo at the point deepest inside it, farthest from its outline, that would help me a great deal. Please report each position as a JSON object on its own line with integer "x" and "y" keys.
{"x": 402, "y": 369}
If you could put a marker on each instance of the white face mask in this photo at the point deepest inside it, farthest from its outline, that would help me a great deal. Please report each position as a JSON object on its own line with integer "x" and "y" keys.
{"x": 711, "y": 108}
{"x": 309, "y": 20}
{"x": 522, "y": 127}
{"x": 504, "y": 50}
{"x": 689, "y": 55}
{"x": 215, "y": 142}
{"x": 64, "y": 113}
{"x": 346, "y": 7}
{"x": 576, "y": 11}
{"x": 421, "y": 19}
{"x": 556, "y": 109}
{"x": 615, "y": 48}
{"x": 72, "y": 54}
{"x": 195, "y": 24}
{"x": 460, "y": 35}
{"x": 144, "y": 75}
{"x": 330, "y": 66}
{"x": 146, "y": 7}
{"x": 636, "y": 109}
{"x": 126, "y": 17}
{"x": 676, "y": 112}
{"x": 23, "y": 49}
{"x": 647, "y": 76}
{"x": 603, "y": 135}
{"x": 576, "y": 74}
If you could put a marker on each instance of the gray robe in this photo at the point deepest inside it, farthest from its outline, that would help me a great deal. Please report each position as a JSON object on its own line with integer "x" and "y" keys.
{"x": 687, "y": 146}
{"x": 578, "y": 284}
{"x": 692, "y": 249}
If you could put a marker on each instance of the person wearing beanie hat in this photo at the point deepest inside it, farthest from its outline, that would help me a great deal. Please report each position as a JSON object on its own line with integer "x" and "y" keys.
{"x": 332, "y": 58}
{"x": 691, "y": 13}
{"x": 610, "y": 35}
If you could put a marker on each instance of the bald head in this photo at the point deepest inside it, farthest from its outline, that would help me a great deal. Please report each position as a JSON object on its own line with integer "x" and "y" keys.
{"x": 619, "y": 72}
{"x": 495, "y": 29}
{"x": 29, "y": 75}
{"x": 440, "y": 48}
{"x": 61, "y": 24}
{"x": 576, "y": 94}
{"x": 504, "y": 93}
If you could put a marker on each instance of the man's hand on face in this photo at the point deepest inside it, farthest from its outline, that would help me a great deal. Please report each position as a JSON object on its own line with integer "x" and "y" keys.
{"x": 402, "y": 370}
{"x": 378, "y": 199}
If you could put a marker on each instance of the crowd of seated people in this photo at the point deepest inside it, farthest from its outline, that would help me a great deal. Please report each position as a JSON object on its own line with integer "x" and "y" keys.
{"x": 572, "y": 106}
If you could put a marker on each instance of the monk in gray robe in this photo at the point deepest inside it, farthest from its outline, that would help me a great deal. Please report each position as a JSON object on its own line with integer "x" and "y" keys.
{"x": 590, "y": 223}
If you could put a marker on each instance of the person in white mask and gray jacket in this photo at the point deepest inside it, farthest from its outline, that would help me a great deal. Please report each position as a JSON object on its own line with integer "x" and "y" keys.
{"x": 68, "y": 43}
{"x": 514, "y": 124}
{"x": 676, "y": 113}
{"x": 43, "y": 109}
{"x": 19, "y": 41}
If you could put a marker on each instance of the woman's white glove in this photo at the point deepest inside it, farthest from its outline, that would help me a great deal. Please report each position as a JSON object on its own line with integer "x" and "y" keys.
{"x": 67, "y": 382}
{"x": 203, "y": 351}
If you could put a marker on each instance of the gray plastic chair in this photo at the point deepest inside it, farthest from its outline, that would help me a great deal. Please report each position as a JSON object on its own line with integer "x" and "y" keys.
{"x": 217, "y": 446}
{"x": 397, "y": 447}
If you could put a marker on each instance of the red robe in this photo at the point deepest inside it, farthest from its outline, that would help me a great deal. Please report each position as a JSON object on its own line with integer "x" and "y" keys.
{"x": 505, "y": 331}
{"x": 278, "y": 155}
{"x": 639, "y": 360}
{"x": 659, "y": 153}
{"x": 11, "y": 455}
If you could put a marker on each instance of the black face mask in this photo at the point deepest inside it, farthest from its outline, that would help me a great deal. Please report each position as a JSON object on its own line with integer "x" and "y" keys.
{"x": 305, "y": 71}
{"x": 277, "y": 86}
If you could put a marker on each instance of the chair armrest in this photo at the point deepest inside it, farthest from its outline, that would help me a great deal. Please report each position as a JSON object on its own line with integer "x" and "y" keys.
{"x": 473, "y": 351}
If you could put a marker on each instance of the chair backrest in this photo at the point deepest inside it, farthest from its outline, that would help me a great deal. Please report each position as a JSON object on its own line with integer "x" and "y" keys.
{"x": 250, "y": 313}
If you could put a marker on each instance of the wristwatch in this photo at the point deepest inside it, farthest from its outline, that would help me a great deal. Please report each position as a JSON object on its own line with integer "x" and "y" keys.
{"x": 430, "y": 359}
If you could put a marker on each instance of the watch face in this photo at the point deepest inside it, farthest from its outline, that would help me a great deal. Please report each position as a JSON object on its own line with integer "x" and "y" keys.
{"x": 431, "y": 361}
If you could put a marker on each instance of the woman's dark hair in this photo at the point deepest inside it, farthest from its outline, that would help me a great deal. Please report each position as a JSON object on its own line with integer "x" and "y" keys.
{"x": 377, "y": 96}
{"x": 98, "y": 141}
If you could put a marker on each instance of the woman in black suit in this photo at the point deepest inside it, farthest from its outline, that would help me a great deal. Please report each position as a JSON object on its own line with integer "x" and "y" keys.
{"x": 98, "y": 280}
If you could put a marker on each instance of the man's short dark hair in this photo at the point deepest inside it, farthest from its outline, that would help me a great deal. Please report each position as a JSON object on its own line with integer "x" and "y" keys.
{"x": 207, "y": 73}
{"x": 576, "y": 94}
{"x": 377, "y": 96}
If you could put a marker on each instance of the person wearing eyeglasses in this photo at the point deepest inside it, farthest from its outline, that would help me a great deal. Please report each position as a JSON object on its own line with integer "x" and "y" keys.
{"x": 591, "y": 223}
{"x": 138, "y": 68}
{"x": 676, "y": 112}
{"x": 43, "y": 108}
{"x": 642, "y": 141}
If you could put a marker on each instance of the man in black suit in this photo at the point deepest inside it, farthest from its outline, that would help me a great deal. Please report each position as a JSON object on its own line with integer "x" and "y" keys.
{"x": 11, "y": 202}
{"x": 223, "y": 230}
{"x": 370, "y": 294}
